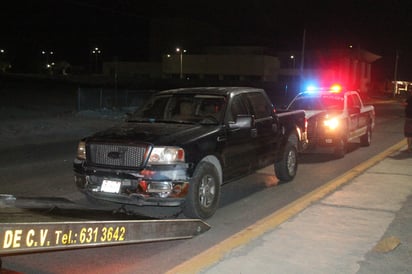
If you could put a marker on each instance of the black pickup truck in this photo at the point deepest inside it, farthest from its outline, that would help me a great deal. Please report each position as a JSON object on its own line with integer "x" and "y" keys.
{"x": 180, "y": 147}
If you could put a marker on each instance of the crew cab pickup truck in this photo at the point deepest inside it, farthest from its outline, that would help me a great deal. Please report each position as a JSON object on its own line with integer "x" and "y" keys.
{"x": 335, "y": 117}
{"x": 180, "y": 147}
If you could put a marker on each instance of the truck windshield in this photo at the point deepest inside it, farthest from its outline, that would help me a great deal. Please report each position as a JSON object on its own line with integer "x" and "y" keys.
{"x": 182, "y": 108}
{"x": 322, "y": 102}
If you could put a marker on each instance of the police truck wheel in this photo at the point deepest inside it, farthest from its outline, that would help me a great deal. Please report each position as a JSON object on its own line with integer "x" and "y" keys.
{"x": 287, "y": 167}
{"x": 365, "y": 140}
{"x": 203, "y": 195}
{"x": 340, "y": 149}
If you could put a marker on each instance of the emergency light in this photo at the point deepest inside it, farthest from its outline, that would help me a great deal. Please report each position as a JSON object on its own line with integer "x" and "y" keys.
{"x": 335, "y": 88}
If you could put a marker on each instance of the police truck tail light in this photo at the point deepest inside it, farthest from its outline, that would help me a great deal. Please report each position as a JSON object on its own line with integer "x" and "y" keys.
{"x": 167, "y": 155}
{"x": 331, "y": 123}
{"x": 81, "y": 150}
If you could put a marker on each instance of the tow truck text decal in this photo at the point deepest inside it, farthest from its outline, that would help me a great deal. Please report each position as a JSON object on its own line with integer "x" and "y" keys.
{"x": 33, "y": 237}
{"x": 54, "y": 235}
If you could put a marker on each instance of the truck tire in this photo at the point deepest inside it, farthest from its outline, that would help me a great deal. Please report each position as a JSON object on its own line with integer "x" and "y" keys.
{"x": 286, "y": 168}
{"x": 203, "y": 195}
{"x": 340, "y": 149}
{"x": 365, "y": 140}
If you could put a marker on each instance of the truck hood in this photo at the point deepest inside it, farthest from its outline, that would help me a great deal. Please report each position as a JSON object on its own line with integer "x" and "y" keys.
{"x": 312, "y": 113}
{"x": 156, "y": 133}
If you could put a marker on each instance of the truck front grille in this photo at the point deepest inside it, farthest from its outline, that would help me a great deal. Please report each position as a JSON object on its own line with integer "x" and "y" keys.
{"x": 117, "y": 155}
{"x": 312, "y": 129}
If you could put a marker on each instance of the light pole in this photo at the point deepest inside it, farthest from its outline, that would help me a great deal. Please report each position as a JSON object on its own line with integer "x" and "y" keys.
{"x": 292, "y": 57}
{"x": 3, "y": 65}
{"x": 181, "y": 51}
{"x": 96, "y": 51}
{"x": 395, "y": 74}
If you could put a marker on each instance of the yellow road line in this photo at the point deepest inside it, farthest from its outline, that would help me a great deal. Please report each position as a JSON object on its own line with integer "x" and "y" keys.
{"x": 218, "y": 251}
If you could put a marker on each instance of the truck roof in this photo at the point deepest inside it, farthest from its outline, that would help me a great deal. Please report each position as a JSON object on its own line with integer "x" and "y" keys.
{"x": 223, "y": 91}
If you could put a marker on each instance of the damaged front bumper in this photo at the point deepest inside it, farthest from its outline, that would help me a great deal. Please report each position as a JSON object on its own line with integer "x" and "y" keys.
{"x": 165, "y": 185}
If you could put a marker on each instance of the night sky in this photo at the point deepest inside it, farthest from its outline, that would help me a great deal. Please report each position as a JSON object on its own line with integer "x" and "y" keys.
{"x": 122, "y": 28}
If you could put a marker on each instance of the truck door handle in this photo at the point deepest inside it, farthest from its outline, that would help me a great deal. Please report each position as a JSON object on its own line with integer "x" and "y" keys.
{"x": 221, "y": 138}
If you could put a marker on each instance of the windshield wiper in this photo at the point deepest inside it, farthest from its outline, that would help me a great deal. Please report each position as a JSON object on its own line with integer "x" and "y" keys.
{"x": 141, "y": 120}
{"x": 179, "y": 121}
{"x": 208, "y": 122}
{"x": 153, "y": 120}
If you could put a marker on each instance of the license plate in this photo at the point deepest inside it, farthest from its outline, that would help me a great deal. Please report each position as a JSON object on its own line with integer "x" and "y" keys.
{"x": 111, "y": 186}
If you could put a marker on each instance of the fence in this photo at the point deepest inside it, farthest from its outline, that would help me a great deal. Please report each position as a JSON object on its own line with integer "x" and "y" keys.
{"x": 103, "y": 98}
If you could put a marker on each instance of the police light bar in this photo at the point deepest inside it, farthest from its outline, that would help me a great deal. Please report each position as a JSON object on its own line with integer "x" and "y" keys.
{"x": 335, "y": 88}
{"x": 311, "y": 88}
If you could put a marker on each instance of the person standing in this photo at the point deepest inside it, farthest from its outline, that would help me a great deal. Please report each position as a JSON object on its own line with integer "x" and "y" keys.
{"x": 408, "y": 121}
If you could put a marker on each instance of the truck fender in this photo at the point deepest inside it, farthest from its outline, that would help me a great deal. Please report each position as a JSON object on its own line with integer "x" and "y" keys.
{"x": 214, "y": 161}
{"x": 291, "y": 138}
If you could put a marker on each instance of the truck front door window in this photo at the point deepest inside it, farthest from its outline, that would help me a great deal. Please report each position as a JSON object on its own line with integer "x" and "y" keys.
{"x": 238, "y": 108}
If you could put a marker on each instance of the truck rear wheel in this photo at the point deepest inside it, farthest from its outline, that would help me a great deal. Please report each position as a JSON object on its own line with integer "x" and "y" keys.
{"x": 286, "y": 168}
{"x": 203, "y": 196}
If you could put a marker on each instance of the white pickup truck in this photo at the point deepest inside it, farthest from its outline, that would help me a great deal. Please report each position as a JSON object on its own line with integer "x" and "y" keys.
{"x": 334, "y": 118}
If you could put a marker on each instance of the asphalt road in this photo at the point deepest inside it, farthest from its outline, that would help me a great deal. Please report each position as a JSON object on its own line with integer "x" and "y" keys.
{"x": 33, "y": 171}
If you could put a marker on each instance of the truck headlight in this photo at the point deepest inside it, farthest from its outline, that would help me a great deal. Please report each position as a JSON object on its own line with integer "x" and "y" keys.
{"x": 331, "y": 123}
{"x": 81, "y": 150}
{"x": 167, "y": 155}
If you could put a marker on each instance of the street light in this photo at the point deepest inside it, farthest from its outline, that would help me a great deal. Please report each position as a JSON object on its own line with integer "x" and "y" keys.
{"x": 292, "y": 57}
{"x": 47, "y": 54}
{"x": 3, "y": 65}
{"x": 181, "y": 51}
{"x": 96, "y": 51}
{"x": 47, "y": 58}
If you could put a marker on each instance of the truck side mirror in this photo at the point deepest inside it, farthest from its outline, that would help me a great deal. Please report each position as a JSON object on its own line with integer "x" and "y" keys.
{"x": 242, "y": 121}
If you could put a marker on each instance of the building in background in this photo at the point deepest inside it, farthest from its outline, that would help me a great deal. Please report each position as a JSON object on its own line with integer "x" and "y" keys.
{"x": 223, "y": 63}
{"x": 350, "y": 67}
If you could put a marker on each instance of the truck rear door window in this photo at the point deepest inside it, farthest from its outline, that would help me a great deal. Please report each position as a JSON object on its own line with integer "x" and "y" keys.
{"x": 259, "y": 104}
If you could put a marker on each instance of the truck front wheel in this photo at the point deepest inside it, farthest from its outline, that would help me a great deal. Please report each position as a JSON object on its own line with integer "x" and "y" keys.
{"x": 340, "y": 149}
{"x": 365, "y": 140}
{"x": 286, "y": 168}
{"x": 203, "y": 196}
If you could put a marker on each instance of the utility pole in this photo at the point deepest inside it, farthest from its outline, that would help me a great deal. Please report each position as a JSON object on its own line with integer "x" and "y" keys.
{"x": 395, "y": 74}
{"x": 302, "y": 59}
